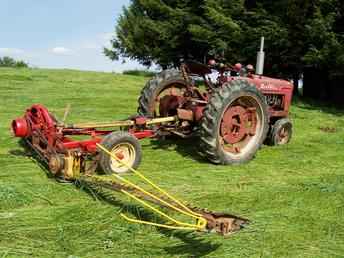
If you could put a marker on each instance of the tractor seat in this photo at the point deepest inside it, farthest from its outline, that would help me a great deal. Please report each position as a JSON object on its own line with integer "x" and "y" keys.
{"x": 197, "y": 68}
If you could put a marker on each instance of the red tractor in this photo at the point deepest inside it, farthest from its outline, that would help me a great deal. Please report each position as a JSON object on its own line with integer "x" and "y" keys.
{"x": 233, "y": 116}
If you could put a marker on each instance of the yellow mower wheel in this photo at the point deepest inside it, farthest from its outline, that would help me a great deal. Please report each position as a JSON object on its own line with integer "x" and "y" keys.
{"x": 126, "y": 148}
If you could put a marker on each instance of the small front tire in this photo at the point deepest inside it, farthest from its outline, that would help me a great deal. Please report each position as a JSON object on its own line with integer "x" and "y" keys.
{"x": 281, "y": 132}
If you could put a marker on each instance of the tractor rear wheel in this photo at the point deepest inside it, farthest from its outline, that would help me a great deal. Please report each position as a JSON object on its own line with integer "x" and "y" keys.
{"x": 280, "y": 132}
{"x": 125, "y": 147}
{"x": 160, "y": 95}
{"x": 234, "y": 123}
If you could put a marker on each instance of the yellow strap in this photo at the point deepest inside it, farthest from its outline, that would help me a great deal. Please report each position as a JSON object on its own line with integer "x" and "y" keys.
{"x": 160, "y": 212}
{"x": 187, "y": 212}
{"x": 196, "y": 215}
{"x": 201, "y": 222}
{"x": 155, "y": 224}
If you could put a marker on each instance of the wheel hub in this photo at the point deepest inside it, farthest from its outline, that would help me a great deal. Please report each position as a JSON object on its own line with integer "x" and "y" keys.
{"x": 168, "y": 100}
{"x": 125, "y": 152}
{"x": 237, "y": 123}
{"x": 283, "y": 136}
{"x": 169, "y": 104}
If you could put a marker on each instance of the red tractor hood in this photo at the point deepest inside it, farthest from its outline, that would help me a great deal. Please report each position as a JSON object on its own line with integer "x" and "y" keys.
{"x": 269, "y": 84}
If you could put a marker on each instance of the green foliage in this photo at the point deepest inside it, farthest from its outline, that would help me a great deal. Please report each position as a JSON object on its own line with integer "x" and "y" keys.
{"x": 292, "y": 194}
{"x": 297, "y": 33}
{"x": 144, "y": 73}
{"x": 163, "y": 32}
{"x": 10, "y": 62}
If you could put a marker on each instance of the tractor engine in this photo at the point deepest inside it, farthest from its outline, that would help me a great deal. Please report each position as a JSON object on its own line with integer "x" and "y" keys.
{"x": 274, "y": 101}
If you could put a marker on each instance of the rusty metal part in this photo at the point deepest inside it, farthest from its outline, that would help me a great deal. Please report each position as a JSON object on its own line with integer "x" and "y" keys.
{"x": 198, "y": 112}
{"x": 185, "y": 114}
{"x": 169, "y": 104}
{"x": 222, "y": 223}
{"x": 234, "y": 124}
{"x": 56, "y": 164}
{"x": 217, "y": 222}
{"x": 238, "y": 125}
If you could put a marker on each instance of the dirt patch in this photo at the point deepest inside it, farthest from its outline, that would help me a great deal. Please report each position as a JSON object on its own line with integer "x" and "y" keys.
{"x": 327, "y": 129}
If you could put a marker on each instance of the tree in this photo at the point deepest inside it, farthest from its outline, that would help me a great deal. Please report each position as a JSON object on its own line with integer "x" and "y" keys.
{"x": 10, "y": 62}
{"x": 165, "y": 31}
{"x": 297, "y": 33}
{"x": 7, "y": 62}
{"x": 324, "y": 38}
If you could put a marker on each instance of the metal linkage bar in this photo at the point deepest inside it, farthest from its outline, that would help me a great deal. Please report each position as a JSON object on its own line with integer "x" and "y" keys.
{"x": 200, "y": 221}
{"x": 121, "y": 123}
{"x": 221, "y": 223}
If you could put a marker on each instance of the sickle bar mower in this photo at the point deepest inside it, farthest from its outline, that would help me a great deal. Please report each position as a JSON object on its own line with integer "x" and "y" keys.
{"x": 115, "y": 152}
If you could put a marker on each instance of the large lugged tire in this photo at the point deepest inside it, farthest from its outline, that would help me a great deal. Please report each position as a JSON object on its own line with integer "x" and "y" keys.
{"x": 154, "y": 89}
{"x": 280, "y": 132}
{"x": 126, "y": 147}
{"x": 234, "y": 123}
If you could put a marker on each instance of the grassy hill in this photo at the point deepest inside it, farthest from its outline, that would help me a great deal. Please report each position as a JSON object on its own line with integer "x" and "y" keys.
{"x": 293, "y": 194}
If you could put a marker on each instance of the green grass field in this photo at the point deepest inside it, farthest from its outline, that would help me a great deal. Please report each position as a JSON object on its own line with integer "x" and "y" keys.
{"x": 294, "y": 194}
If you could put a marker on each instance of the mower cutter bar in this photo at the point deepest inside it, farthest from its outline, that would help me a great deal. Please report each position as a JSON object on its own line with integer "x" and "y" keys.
{"x": 205, "y": 220}
{"x": 221, "y": 223}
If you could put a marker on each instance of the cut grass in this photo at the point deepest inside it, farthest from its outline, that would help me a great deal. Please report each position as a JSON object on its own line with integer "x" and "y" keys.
{"x": 293, "y": 194}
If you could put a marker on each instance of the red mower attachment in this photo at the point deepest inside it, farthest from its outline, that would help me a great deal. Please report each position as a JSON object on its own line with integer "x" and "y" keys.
{"x": 67, "y": 157}
{"x": 116, "y": 152}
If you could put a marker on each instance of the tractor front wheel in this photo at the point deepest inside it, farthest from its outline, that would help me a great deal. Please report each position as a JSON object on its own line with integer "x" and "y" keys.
{"x": 280, "y": 132}
{"x": 125, "y": 147}
{"x": 234, "y": 124}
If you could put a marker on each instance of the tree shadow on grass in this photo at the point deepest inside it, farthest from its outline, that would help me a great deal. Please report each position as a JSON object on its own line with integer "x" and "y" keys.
{"x": 323, "y": 106}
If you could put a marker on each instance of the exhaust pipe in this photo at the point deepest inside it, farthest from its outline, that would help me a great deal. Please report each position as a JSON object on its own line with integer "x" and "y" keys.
{"x": 260, "y": 58}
